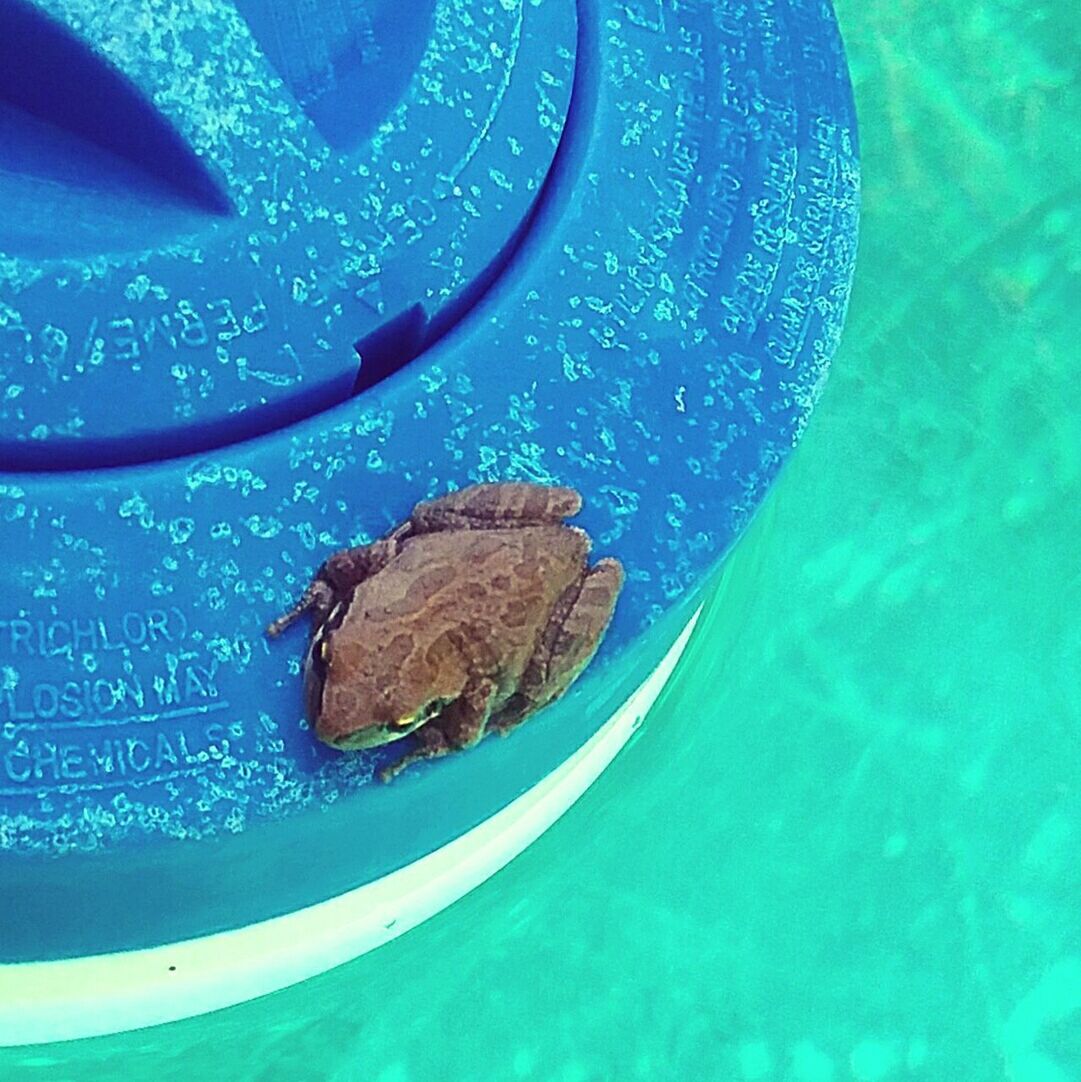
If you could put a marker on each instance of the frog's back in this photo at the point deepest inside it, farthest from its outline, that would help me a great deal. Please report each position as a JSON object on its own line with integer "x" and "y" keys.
{"x": 500, "y": 585}
{"x": 489, "y": 564}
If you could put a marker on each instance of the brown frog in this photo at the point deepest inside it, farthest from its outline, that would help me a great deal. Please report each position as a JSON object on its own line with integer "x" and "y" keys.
{"x": 477, "y": 611}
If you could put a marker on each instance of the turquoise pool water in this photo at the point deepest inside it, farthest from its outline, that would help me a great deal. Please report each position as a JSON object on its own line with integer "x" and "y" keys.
{"x": 847, "y": 844}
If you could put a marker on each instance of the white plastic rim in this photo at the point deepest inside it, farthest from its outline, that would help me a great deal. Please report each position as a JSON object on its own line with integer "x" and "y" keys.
{"x": 110, "y": 993}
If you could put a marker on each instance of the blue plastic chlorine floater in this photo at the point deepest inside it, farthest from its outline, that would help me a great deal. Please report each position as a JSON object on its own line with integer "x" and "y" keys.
{"x": 272, "y": 273}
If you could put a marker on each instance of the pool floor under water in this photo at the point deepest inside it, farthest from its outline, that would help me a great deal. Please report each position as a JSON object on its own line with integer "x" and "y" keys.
{"x": 847, "y": 844}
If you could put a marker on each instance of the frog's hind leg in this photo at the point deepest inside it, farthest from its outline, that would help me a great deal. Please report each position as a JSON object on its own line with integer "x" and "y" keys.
{"x": 491, "y": 506}
{"x": 337, "y": 578}
{"x": 567, "y": 645}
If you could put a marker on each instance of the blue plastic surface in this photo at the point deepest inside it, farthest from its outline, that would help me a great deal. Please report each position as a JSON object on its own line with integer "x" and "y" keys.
{"x": 228, "y": 255}
{"x": 332, "y": 266}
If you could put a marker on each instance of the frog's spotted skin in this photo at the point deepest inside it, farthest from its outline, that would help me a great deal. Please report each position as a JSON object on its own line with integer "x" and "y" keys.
{"x": 468, "y": 617}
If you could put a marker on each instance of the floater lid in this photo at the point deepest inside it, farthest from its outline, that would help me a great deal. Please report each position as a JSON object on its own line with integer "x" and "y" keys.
{"x": 213, "y": 213}
{"x": 273, "y": 273}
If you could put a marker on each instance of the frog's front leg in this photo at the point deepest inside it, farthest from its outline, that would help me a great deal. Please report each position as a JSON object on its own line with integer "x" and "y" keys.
{"x": 337, "y": 578}
{"x": 460, "y": 725}
{"x": 492, "y": 506}
{"x": 432, "y": 744}
{"x": 567, "y": 645}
